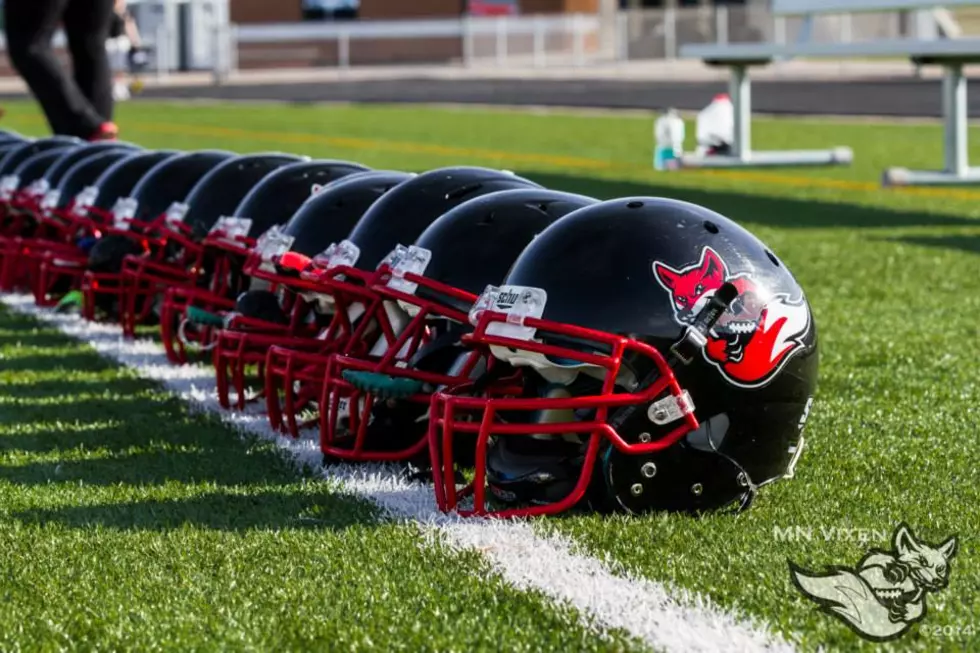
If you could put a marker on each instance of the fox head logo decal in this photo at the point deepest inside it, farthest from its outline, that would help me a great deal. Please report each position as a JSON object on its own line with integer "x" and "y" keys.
{"x": 756, "y": 336}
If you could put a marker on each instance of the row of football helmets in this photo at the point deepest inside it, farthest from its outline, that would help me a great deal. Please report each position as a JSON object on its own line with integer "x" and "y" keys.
{"x": 528, "y": 350}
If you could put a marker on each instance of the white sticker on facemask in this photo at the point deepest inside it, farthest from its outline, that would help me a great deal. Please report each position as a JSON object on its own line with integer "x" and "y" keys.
{"x": 273, "y": 243}
{"x": 407, "y": 260}
{"x": 84, "y": 200}
{"x": 393, "y": 256}
{"x": 482, "y": 303}
{"x": 8, "y": 184}
{"x": 175, "y": 213}
{"x": 232, "y": 228}
{"x": 123, "y": 212}
{"x": 517, "y": 302}
{"x": 38, "y": 187}
{"x": 50, "y": 199}
{"x": 322, "y": 259}
{"x": 345, "y": 253}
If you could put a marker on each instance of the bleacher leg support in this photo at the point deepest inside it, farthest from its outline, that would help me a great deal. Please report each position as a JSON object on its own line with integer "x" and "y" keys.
{"x": 956, "y": 159}
{"x": 955, "y": 114}
{"x": 740, "y": 90}
{"x": 742, "y": 155}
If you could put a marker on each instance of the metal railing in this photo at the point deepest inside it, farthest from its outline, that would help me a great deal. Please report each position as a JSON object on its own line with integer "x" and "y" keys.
{"x": 534, "y": 40}
{"x": 570, "y": 39}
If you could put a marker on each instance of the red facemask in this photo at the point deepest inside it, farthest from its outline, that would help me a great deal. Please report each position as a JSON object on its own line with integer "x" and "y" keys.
{"x": 469, "y": 411}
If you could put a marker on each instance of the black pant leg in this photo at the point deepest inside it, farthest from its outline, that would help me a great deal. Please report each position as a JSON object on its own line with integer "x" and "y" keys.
{"x": 87, "y": 24}
{"x": 30, "y": 26}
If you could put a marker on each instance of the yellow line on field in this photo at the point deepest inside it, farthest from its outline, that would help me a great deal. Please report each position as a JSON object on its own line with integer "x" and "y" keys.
{"x": 561, "y": 161}
{"x": 374, "y": 144}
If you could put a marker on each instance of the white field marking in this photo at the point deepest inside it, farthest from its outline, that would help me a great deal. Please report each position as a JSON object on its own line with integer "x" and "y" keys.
{"x": 603, "y": 591}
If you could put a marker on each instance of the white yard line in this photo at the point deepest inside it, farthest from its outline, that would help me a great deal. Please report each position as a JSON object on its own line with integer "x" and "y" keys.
{"x": 668, "y": 620}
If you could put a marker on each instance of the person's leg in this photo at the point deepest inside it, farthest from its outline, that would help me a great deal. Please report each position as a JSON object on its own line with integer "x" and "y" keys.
{"x": 30, "y": 27}
{"x": 87, "y": 24}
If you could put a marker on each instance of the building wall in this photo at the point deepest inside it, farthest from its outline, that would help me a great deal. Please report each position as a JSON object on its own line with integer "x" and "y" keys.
{"x": 559, "y": 6}
{"x": 264, "y": 11}
{"x": 287, "y": 11}
{"x": 323, "y": 54}
{"x": 394, "y": 9}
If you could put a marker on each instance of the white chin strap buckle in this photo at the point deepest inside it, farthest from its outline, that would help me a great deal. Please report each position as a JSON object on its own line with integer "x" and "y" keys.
{"x": 670, "y": 409}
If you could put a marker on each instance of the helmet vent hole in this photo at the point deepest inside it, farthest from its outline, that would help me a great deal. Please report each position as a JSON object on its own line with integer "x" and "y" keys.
{"x": 711, "y": 227}
{"x": 487, "y": 219}
{"x": 634, "y": 205}
{"x": 460, "y": 193}
{"x": 772, "y": 257}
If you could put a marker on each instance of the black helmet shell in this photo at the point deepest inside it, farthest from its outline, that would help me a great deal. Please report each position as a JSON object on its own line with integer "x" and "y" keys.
{"x": 406, "y": 211}
{"x": 171, "y": 180}
{"x": 120, "y": 178}
{"x": 25, "y": 150}
{"x": 475, "y": 244}
{"x": 221, "y": 190}
{"x": 329, "y": 216}
{"x": 279, "y": 195}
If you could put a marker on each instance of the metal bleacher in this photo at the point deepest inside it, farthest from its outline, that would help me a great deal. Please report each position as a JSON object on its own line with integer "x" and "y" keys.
{"x": 950, "y": 53}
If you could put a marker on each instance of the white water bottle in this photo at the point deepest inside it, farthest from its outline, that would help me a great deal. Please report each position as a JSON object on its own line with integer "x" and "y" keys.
{"x": 668, "y": 135}
{"x": 716, "y": 126}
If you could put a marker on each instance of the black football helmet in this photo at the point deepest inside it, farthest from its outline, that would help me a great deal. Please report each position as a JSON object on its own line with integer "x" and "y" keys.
{"x": 223, "y": 189}
{"x": 120, "y": 179}
{"x": 646, "y": 354}
{"x": 261, "y": 319}
{"x": 83, "y": 172}
{"x": 10, "y": 182}
{"x": 135, "y": 220}
{"x": 28, "y": 148}
{"x": 227, "y": 261}
{"x": 21, "y": 190}
{"x": 178, "y": 256}
{"x": 8, "y": 145}
{"x": 333, "y": 210}
{"x": 57, "y": 172}
{"x": 172, "y": 180}
{"x": 10, "y": 136}
{"x": 379, "y": 402}
{"x": 343, "y": 273}
{"x": 17, "y": 215}
{"x": 72, "y": 213}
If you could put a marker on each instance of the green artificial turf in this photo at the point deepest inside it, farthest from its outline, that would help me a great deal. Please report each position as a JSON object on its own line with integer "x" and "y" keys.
{"x": 128, "y": 524}
{"x": 111, "y": 495}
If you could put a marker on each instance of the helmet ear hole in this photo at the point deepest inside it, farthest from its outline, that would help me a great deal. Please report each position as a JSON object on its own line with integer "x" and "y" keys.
{"x": 108, "y": 252}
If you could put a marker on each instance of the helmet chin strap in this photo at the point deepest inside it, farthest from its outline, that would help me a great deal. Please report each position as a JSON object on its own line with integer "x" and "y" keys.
{"x": 555, "y": 416}
{"x": 398, "y": 319}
